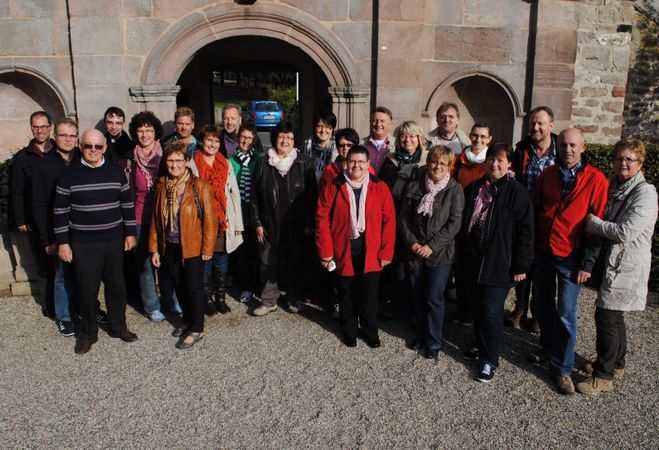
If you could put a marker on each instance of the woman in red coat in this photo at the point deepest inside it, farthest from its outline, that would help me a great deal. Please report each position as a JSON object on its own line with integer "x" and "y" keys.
{"x": 355, "y": 234}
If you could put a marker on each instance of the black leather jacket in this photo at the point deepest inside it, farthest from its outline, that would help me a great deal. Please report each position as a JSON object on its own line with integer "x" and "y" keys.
{"x": 302, "y": 195}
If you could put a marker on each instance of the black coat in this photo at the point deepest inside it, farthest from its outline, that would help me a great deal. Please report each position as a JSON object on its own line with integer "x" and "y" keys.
{"x": 302, "y": 195}
{"x": 44, "y": 182}
{"x": 23, "y": 166}
{"x": 509, "y": 235}
{"x": 118, "y": 148}
{"x": 437, "y": 231}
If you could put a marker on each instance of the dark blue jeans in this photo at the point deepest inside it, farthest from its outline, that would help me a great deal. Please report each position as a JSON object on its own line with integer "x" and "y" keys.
{"x": 428, "y": 288}
{"x": 556, "y": 291}
{"x": 488, "y": 322}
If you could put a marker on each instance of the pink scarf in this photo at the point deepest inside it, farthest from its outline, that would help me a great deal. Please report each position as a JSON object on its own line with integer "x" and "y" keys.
{"x": 357, "y": 221}
{"x": 283, "y": 165}
{"x": 483, "y": 203}
{"x": 425, "y": 206}
{"x": 149, "y": 163}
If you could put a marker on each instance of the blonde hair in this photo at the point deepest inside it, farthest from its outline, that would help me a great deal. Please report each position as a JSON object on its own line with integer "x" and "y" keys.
{"x": 634, "y": 145}
{"x": 441, "y": 151}
{"x": 414, "y": 129}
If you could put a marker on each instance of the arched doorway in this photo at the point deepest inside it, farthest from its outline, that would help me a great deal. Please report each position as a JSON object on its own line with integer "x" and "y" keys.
{"x": 292, "y": 32}
{"x": 252, "y": 54}
{"x": 480, "y": 97}
{"x": 21, "y": 94}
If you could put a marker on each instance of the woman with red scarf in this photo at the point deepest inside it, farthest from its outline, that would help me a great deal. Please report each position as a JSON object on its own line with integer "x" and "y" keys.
{"x": 213, "y": 167}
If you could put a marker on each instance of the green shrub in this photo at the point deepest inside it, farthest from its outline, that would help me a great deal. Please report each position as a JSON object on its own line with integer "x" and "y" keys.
{"x": 600, "y": 157}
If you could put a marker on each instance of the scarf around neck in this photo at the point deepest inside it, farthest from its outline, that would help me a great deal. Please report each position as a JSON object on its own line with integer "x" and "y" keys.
{"x": 357, "y": 220}
{"x": 474, "y": 158}
{"x": 405, "y": 158}
{"x": 483, "y": 205}
{"x": 171, "y": 206}
{"x": 216, "y": 175}
{"x": 283, "y": 165}
{"x": 433, "y": 188}
{"x": 148, "y": 163}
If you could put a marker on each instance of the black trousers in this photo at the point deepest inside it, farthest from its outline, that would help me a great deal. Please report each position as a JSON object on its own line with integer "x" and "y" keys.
{"x": 523, "y": 299}
{"x": 187, "y": 277}
{"x": 95, "y": 262}
{"x": 611, "y": 342}
{"x": 358, "y": 299}
{"x": 246, "y": 260}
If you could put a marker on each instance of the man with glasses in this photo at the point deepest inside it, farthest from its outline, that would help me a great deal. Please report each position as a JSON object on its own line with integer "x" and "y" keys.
{"x": 44, "y": 180}
{"x": 447, "y": 132}
{"x": 21, "y": 195}
{"x": 94, "y": 223}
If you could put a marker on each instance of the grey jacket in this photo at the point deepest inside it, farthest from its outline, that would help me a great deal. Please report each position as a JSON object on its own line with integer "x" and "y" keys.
{"x": 437, "y": 231}
{"x": 628, "y": 252}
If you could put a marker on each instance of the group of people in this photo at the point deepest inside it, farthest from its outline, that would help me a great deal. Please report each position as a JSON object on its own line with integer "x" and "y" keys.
{"x": 329, "y": 216}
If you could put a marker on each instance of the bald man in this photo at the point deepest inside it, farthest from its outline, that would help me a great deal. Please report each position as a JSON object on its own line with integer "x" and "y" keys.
{"x": 564, "y": 255}
{"x": 94, "y": 221}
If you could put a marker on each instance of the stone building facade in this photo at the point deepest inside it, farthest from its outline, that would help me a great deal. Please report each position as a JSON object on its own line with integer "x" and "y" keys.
{"x": 495, "y": 58}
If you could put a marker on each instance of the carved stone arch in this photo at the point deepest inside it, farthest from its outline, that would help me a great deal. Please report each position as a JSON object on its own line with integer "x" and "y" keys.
{"x": 62, "y": 95}
{"x": 481, "y": 95}
{"x": 176, "y": 48}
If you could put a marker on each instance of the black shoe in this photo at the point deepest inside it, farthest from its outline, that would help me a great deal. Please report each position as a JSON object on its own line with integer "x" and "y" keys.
{"x": 486, "y": 374}
{"x": 47, "y": 312}
{"x": 349, "y": 341}
{"x": 179, "y": 331}
{"x": 221, "y": 306}
{"x": 375, "y": 343}
{"x": 102, "y": 318}
{"x": 65, "y": 327}
{"x": 472, "y": 354}
{"x": 464, "y": 322}
{"x": 416, "y": 344}
{"x": 209, "y": 308}
{"x": 431, "y": 353}
{"x": 537, "y": 357}
{"x": 125, "y": 335}
{"x": 84, "y": 345}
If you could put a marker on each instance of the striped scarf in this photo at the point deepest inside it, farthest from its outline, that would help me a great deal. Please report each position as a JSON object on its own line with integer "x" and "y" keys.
{"x": 245, "y": 180}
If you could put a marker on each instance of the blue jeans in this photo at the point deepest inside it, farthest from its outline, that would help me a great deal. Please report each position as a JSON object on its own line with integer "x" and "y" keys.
{"x": 428, "y": 288}
{"x": 148, "y": 293}
{"x": 64, "y": 284}
{"x": 488, "y": 322}
{"x": 218, "y": 263}
{"x": 557, "y": 317}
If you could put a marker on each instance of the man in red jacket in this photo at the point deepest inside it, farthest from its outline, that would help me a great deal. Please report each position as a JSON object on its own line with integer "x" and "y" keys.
{"x": 565, "y": 194}
{"x": 355, "y": 234}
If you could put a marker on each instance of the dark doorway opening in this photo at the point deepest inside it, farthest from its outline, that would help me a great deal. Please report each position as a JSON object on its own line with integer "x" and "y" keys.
{"x": 256, "y": 58}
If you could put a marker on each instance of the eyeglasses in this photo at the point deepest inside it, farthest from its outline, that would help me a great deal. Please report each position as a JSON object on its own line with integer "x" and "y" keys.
{"x": 175, "y": 161}
{"x": 440, "y": 163}
{"x": 285, "y": 138}
{"x": 627, "y": 160}
{"x": 323, "y": 127}
{"x": 246, "y": 138}
{"x": 67, "y": 136}
{"x": 348, "y": 145}
{"x": 40, "y": 127}
{"x": 92, "y": 146}
{"x": 352, "y": 162}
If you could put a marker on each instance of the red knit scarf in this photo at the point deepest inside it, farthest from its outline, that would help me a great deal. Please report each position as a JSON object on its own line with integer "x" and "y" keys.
{"x": 216, "y": 175}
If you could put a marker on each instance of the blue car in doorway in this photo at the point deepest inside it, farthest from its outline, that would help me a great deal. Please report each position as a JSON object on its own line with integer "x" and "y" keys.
{"x": 264, "y": 113}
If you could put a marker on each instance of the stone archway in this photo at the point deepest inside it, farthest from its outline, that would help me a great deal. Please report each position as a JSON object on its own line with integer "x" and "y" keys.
{"x": 23, "y": 91}
{"x": 480, "y": 96}
{"x": 178, "y": 46}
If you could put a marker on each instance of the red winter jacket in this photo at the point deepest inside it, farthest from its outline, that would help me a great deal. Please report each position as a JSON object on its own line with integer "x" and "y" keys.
{"x": 560, "y": 222}
{"x": 333, "y": 225}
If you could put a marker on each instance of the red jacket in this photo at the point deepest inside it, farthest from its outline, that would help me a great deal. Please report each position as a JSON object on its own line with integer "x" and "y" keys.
{"x": 560, "y": 222}
{"x": 333, "y": 225}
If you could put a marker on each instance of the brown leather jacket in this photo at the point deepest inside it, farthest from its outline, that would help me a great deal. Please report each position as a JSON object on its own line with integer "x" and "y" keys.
{"x": 197, "y": 238}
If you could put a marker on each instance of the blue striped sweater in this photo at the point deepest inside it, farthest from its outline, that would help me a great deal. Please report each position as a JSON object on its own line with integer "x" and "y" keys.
{"x": 93, "y": 204}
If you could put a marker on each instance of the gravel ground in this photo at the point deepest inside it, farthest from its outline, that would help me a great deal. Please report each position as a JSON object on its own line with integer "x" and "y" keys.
{"x": 285, "y": 381}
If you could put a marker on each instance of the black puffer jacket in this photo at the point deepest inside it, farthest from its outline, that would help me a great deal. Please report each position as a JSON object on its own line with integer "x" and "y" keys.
{"x": 509, "y": 229}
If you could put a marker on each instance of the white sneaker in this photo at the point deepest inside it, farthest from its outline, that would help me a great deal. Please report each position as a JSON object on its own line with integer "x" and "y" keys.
{"x": 263, "y": 310}
{"x": 245, "y": 296}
